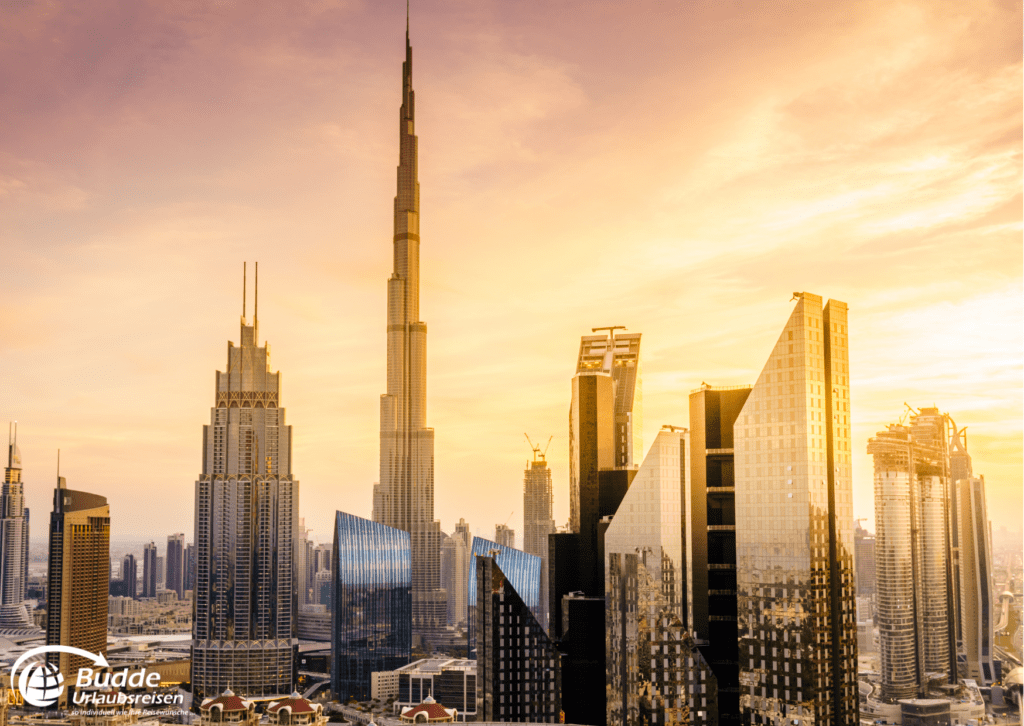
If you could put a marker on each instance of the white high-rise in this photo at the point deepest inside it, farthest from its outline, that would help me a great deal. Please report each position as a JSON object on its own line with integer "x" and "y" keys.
{"x": 14, "y": 615}
{"x": 404, "y": 497}
{"x": 247, "y": 502}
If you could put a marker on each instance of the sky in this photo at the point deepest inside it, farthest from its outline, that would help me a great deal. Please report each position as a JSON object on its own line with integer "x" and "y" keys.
{"x": 677, "y": 168}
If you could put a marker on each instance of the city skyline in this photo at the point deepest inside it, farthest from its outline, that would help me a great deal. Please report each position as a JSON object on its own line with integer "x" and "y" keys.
{"x": 865, "y": 167}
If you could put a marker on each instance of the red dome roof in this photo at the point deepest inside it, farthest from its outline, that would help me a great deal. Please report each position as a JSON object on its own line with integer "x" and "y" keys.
{"x": 226, "y": 701}
{"x": 434, "y": 711}
{"x": 295, "y": 703}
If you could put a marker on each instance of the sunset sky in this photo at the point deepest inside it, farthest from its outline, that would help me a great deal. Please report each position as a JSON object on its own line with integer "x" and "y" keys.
{"x": 677, "y": 168}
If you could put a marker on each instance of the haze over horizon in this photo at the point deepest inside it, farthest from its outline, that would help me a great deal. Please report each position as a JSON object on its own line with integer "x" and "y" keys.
{"x": 679, "y": 170}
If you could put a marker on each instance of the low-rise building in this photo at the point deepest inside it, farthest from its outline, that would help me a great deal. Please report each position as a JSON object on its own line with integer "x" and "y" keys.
{"x": 451, "y": 681}
{"x": 296, "y": 711}
{"x": 430, "y": 711}
{"x": 228, "y": 708}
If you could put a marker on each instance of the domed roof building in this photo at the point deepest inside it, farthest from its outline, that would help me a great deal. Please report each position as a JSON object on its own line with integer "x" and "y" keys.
{"x": 296, "y": 710}
{"x": 228, "y": 708}
{"x": 430, "y": 711}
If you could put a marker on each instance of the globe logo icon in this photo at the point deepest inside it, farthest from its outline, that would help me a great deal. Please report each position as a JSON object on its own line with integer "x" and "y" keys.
{"x": 41, "y": 683}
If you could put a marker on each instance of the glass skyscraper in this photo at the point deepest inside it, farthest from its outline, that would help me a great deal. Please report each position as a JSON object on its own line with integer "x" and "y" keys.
{"x": 794, "y": 528}
{"x": 518, "y": 667}
{"x": 655, "y": 674}
{"x": 371, "y": 626}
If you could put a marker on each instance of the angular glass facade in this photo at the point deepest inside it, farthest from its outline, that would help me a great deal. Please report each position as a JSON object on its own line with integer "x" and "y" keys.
{"x": 518, "y": 667}
{"x": 521, "y": 569}
{"x": 372, "y": 595}
{"x": 654, "y": 673}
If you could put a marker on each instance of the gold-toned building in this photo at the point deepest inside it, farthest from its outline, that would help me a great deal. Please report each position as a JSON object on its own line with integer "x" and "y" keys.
{"x": 79, "y": 576}
{"x": 796, "y": 615}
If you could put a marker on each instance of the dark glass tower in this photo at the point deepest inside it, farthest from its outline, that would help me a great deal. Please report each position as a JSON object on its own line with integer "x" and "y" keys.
{"x": 711, "y": 522}
{"x": 522, "y": 570}
{"x": 371, "y": 621}
{"x": 518, "y": 670}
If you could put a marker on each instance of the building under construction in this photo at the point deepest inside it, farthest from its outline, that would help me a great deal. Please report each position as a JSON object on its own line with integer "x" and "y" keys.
{"x": 915, "y": 553}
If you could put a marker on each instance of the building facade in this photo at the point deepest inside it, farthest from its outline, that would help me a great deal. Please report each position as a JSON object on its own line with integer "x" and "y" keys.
{"x": 518, "y": 667}
{"x": 504, "y": 535}
{"x": 796, "y": 613}
{"x": 709, "y": 521}
{"x": 522, "y": 569}
{"x": 451, "y": 682}
{"x": 538, "y": 524}
{"x": 78, "y": 583}
{"x": 913, "y": 555}
{"x": 174, "y": 567}
{"x": 129, "y": 576}
{"x": 864, "y": 547}
{"x": 455, "y": 578}
{"x": 372, "y": 613}
{"x": 14, "y": 521}
{"x": 976, "y": 585}
{"x": 246, "y": 509}
{"x": 619, "y": 357}
{"x": 654, "y": 672}
{"x": 149, "y": 580}
{"x": 404, "y": 497}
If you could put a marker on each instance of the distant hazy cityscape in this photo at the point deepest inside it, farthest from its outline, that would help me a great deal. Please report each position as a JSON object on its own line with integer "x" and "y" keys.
{"x": 714, "y": 575}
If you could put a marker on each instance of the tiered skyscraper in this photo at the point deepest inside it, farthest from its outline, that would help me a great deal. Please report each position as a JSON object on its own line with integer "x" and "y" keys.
{"x": 404, "y": 497}
{"x": 794, "y": 528}
{"x": 246, "y": 504}
{"x": 13, "y": 545}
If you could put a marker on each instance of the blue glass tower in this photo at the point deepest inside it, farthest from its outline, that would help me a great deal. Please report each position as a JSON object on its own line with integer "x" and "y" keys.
{"x": 371, "y": 625}
{"x": 520, "y": 569}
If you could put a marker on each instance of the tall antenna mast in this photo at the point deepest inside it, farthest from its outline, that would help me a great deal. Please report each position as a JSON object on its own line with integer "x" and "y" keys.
{"x": 244, "y": 275}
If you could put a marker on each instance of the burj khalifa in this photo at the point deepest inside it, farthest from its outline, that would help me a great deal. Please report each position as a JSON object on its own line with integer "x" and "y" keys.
{"x": 404, "y": 497}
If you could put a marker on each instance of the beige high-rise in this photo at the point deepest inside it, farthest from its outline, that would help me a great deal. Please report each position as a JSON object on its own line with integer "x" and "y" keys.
{"x": 246, "y": 514}
{"x": 404, "y": 497}
{"x": 794, "y": 528}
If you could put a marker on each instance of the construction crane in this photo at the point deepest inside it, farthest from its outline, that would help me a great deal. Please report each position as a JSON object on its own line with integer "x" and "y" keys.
{"x": 536, "y": 449}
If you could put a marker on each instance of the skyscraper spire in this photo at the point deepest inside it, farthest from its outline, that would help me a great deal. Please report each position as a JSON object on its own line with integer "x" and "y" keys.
{"x": 404, "y": 497}
{"x": 14, "y": 519}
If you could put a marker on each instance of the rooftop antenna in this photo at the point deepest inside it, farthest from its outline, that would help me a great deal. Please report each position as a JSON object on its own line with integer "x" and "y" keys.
{"x": 256, "y": 296}
{"x": 244, "y": 275}
{"x": 406, "y": 19}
